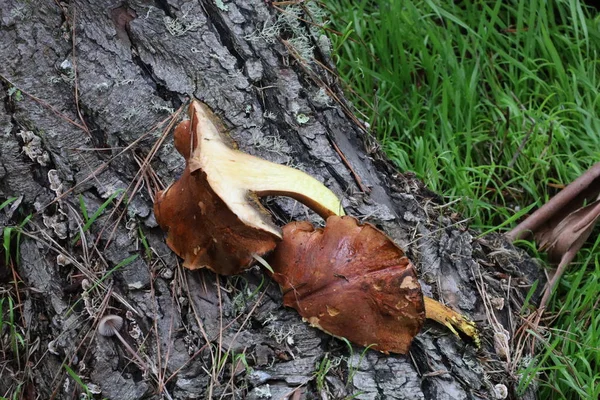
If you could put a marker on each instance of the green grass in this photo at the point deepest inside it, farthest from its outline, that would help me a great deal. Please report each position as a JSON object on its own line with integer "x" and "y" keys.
{"x": 14, "y": 338}
{"x": 454, "y": 93}
{"x": 494, "y": 104}
{"x": 570, "y": 358}
{"x": 89, "y": 220}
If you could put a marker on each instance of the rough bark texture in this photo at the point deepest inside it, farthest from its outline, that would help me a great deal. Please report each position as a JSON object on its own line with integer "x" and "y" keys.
{"x": 133, "y": 64}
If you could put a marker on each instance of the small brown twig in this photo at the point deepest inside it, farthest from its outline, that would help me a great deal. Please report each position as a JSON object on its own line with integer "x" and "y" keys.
{"x": 138, "y": 178}
{"x": 544, "y": 213}
{"x": 45, "y": 104}
{"x": 564, "y": 263}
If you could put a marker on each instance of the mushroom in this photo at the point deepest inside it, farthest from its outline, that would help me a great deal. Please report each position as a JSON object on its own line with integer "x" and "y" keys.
{"x": 212, "y": 213}
{"x": 109, "y": 326}
{"x": 214, "y": 220}
{"x": 352, "y": 281}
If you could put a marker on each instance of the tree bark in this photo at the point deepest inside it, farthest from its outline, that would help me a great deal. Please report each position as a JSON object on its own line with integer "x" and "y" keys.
{"x": 83, "y": 81}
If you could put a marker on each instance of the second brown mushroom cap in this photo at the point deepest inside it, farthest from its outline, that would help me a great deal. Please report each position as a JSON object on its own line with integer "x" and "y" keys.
{"x": 350, "y": 281}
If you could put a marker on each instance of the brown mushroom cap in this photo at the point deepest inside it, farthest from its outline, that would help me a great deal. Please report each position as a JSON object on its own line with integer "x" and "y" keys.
{"x": 212, "y": 213}
{"x": 203, "y": 231}
{"x": 351, "y": 281}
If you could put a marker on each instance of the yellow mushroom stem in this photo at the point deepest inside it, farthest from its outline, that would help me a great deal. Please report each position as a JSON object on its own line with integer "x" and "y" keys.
{"x": 453, "y": 320}
{"x": 238, "y": 178}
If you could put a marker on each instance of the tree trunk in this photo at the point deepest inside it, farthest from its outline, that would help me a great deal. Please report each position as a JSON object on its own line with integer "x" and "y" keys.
{"x": 88, "y": 89}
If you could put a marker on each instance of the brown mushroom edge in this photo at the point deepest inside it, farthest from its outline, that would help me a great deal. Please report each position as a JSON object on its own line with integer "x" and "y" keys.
{"x": 352, "y": 281}
{"x": 212, "y": 213}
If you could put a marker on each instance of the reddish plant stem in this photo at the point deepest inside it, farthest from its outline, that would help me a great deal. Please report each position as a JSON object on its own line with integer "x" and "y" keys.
{"x": 544, "y": 213}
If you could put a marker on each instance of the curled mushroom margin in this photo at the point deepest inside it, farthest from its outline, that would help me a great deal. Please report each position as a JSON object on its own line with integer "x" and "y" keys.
{"x": 352, "y": 281}
{"x": 212, "y": 213}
